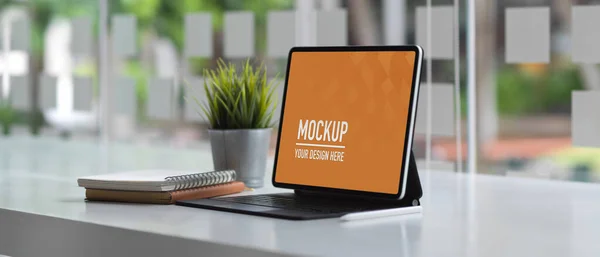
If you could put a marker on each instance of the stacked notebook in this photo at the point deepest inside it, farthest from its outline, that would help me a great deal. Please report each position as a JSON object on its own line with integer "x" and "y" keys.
{"x": 159, "y": 186}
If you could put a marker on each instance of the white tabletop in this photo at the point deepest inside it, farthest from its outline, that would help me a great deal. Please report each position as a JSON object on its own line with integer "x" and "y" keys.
{"x": 42, "y": 213}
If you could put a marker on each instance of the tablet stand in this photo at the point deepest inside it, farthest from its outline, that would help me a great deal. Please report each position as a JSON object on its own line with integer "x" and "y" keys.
{"x": 412, "y": 195}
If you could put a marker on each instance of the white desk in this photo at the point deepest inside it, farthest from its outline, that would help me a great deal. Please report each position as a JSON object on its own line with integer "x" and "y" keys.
{"x": 42, "y": 213}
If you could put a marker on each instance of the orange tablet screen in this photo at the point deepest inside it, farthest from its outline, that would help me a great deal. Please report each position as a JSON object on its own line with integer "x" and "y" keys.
{"x": 345, "y": 118}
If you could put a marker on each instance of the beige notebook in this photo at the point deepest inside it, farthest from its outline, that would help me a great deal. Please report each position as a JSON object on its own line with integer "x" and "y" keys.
{"x": 164, "y": 197}
{"x": 156, "y": 180}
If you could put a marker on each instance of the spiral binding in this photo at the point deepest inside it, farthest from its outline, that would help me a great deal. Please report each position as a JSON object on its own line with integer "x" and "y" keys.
{"x": 202, "y": 179}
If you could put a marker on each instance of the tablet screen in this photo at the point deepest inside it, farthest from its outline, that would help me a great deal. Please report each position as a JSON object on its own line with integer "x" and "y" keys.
{"x": 344, "y": 123}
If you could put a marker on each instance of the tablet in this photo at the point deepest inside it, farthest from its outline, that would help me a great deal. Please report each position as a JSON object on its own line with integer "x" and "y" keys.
{"x": 347, "y": 119}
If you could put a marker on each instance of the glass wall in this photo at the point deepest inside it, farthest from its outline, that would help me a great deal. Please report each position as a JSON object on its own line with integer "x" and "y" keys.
{"x": 537, "y": 77}
{"x": 124, "y": 71}
{"x": 49, "y": 87}
{"x": 160, "y": 51}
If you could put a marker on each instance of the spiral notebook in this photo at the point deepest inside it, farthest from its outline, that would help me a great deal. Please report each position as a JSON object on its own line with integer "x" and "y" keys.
{"x": 156, "y": 180}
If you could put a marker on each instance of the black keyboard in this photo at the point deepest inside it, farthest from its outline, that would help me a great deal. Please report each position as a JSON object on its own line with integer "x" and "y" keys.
{"x": 303, "y": 206}
{"x": 289, "y": 202}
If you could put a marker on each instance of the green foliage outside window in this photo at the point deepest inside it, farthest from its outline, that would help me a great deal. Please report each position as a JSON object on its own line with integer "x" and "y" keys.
{"x": 7, "y": 117}
{"x": 522, "y": 93}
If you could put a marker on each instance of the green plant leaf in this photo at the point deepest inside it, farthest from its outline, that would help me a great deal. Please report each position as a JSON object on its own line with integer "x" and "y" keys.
{"x": 238, "y": 99}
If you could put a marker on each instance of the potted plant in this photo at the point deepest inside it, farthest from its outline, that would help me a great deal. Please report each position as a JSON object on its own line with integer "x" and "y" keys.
{"x": 239, "y": 108}
{"x": 7, "y": 117}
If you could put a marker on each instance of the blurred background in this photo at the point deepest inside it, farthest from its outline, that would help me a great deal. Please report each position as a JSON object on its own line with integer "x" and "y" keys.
{"x": 115, "y": 71}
